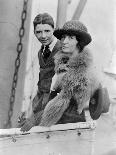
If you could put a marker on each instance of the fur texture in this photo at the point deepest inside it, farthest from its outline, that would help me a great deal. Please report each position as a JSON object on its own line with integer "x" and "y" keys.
{"x": 75, "y": 78}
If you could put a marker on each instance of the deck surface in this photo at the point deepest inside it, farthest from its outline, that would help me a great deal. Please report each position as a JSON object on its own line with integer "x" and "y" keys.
{"x": 105, "y": 142}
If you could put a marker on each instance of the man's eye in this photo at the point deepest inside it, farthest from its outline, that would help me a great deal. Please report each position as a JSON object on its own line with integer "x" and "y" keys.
{"x": 37, "y": 32}
{"x": 47, "y": 30}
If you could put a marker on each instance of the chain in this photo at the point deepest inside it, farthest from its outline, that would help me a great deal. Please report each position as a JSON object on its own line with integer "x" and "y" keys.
{"x": 17, "y": 64}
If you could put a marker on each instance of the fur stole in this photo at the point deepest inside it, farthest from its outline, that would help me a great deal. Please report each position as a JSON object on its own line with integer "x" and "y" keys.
{"x": 75, "y": 78}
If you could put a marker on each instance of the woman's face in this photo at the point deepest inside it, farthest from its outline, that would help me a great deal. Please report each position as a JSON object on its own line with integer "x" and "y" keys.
{"x": 69, "y": 43}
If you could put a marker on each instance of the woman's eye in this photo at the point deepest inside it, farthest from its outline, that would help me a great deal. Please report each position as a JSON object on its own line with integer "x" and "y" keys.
{"x": 63, "y": 36}
{"x": 71, "y": 37}
{"x": 62, "y": 39}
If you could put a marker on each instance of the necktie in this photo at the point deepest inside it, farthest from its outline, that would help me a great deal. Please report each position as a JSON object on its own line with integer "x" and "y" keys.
{"x": 46, "y": 52}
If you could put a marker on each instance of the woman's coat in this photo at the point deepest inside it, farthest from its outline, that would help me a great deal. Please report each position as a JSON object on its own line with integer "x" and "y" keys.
{"x": 78, "y": 81}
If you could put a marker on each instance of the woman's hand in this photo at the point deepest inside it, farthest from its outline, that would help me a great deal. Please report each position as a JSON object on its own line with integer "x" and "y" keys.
{"x": 28, "y": 124}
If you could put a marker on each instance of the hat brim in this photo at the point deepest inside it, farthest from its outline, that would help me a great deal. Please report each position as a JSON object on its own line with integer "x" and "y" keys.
{"x": 81, "y": 35}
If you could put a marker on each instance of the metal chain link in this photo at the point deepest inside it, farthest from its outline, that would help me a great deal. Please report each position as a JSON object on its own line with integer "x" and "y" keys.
{"x": 8, "y": 124}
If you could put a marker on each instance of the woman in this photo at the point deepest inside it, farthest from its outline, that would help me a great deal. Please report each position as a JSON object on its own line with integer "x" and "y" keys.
{"x": 76, "y": 78}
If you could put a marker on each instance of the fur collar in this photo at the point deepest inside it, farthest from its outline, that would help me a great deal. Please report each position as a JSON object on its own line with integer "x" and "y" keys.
{"x": 81, "y": 60}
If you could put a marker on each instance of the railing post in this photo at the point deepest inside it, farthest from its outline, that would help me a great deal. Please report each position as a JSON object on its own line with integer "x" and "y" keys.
{"x": 79, "y": 9}
{"x": 61, "y": 12}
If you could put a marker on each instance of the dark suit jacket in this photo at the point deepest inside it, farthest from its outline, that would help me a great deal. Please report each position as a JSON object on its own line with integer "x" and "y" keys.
{"x": 45, "y": 78}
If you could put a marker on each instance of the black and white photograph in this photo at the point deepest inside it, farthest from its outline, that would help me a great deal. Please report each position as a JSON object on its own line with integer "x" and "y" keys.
{"x": 57, "y": 77}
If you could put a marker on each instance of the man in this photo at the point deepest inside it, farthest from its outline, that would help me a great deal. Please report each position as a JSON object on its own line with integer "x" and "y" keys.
{"x": 43, "y": 30}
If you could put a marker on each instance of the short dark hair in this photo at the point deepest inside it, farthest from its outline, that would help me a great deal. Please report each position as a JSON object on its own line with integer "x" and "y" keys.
{"x": 80, "y": 45}
{"x": 43, "y": 18}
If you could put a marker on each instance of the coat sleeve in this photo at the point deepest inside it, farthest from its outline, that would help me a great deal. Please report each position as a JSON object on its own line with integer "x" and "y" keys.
{"x": 55, "y": 109}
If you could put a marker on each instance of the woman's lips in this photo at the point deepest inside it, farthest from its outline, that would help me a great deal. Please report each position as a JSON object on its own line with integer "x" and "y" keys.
{"x": 63, "y": 47}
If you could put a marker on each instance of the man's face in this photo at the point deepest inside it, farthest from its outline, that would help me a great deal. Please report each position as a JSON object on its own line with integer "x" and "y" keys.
{"x": 44, "y": 33}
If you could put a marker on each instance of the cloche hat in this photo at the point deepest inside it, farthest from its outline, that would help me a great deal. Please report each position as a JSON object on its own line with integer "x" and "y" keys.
{"x": 74, "y": 27}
